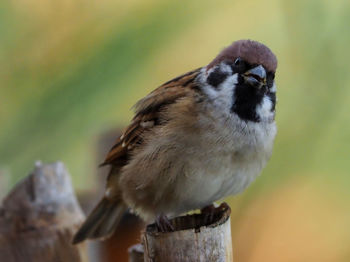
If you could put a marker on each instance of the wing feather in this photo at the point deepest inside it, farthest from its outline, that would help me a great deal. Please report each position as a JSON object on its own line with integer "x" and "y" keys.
{"x": 147, "y": 115}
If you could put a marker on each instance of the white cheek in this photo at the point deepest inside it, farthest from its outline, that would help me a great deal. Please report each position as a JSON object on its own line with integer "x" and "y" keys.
{"x": 227, "y": 87}
{"x": 225, "y": 68}
{"x": 264, "y": 109}
{"x": 222, "y": 96}
{"x": 273, "y": 88}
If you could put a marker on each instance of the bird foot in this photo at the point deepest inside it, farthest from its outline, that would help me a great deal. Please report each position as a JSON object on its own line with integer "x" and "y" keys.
{"x": 210, "y": 211}
{"x": 163, "y": 224}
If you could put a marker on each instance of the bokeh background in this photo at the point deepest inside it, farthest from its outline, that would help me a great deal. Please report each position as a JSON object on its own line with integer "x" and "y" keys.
{"x": 71, "y": 70}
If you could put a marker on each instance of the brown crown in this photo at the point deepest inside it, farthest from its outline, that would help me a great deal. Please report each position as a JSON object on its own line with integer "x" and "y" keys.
{"x": 251, "y": 51}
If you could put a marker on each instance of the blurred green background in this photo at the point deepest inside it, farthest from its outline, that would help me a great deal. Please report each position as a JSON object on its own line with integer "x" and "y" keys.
{"x": 71, "y": 70}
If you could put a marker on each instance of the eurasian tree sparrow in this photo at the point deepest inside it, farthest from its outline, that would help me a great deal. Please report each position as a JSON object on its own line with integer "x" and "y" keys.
{"x": 196, "y": 139}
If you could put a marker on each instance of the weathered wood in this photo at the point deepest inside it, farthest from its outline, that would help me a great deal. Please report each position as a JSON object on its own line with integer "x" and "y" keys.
{"x": 38, "y": 218}
{"x": 193, "y": 240}
{"x": 136, "y": 253}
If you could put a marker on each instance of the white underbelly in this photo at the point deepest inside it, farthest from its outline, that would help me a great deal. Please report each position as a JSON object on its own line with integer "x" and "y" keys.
{"x": 217, "y": 168}
{"x": 216, "y": 179}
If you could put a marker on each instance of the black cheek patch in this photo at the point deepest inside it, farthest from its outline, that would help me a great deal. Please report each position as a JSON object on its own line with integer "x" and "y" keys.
{"x": 269, "y": 79}
{"x": 272, "y": 97}
{"x": 216, "y": 77}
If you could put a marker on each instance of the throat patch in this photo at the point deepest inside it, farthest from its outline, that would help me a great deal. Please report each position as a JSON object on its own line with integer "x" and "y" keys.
{"x": 246, "y": 99}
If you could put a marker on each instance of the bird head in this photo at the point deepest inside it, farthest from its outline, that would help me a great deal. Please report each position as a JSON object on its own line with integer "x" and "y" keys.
{"x": 241, "y": 77}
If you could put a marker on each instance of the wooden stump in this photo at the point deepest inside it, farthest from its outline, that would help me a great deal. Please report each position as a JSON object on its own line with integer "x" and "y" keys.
{"x": 193, "y": 239}
{"x": 39, "y": 217}
{"x": 136, "y": 253}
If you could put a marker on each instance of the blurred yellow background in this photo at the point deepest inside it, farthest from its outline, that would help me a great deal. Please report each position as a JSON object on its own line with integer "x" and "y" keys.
{"x": 71, "y": 70}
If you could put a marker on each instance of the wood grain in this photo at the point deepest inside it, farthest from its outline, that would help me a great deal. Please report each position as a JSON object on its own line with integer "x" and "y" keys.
{"x": 193, "y": 239}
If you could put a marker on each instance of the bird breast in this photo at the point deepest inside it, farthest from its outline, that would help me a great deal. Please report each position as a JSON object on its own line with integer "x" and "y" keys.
{"x": 228, "y": 157}
{"x": 191, "y": 163}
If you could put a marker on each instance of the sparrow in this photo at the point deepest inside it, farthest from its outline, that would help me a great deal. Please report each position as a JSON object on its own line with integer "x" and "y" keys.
{"x": 196, "y": 139}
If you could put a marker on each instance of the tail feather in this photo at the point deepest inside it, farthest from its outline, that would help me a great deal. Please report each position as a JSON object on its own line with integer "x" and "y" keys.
{"x": 102, "y": 221}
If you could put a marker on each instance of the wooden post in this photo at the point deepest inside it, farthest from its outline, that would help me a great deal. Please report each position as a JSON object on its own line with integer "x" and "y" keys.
{"x": 193, "y": 240}
{"x": 38, "y": 218}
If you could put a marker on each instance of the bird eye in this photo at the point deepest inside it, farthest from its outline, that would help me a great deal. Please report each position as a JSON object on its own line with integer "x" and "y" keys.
{"x": 238, "y": 61}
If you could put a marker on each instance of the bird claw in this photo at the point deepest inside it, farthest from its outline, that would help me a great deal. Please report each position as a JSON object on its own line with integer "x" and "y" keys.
{"x": 210, "y": 211}
{"x": 164, "y": 224}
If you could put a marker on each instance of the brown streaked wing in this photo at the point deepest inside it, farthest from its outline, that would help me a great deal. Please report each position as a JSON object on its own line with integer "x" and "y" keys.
{"x": 147, "y": 115}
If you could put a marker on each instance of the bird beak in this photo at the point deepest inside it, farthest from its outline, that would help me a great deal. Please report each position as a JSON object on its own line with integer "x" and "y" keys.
{"x": 256, "y": 76}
